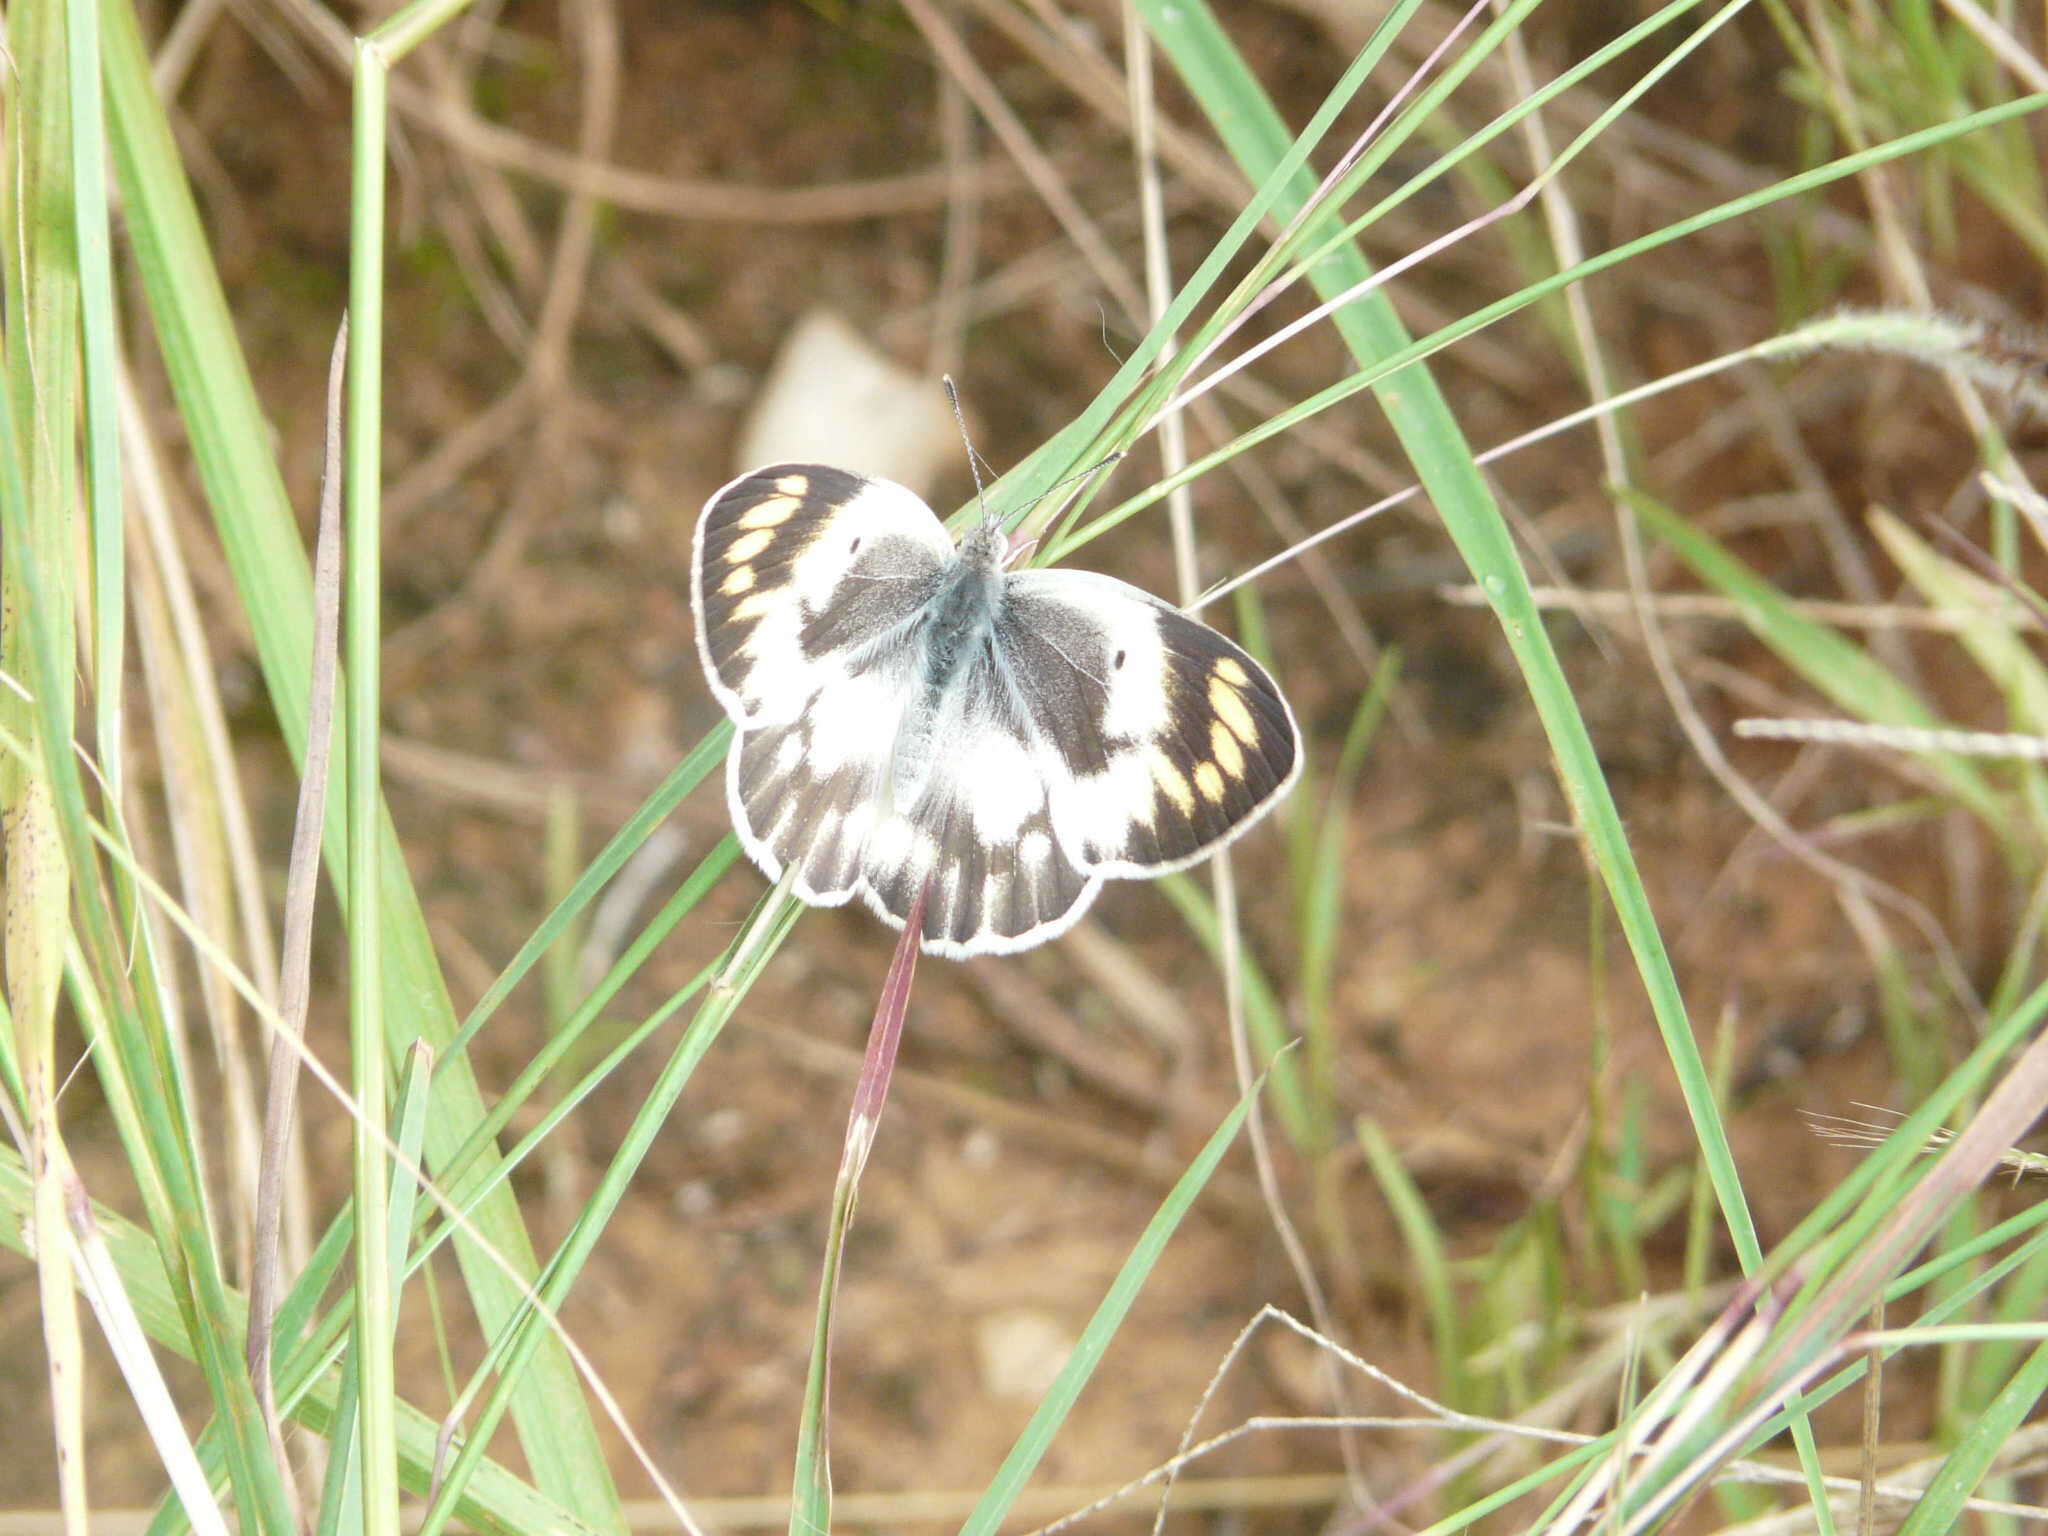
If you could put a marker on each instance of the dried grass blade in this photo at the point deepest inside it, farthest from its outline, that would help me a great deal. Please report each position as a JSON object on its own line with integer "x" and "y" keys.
{"x": 302, "y": 886}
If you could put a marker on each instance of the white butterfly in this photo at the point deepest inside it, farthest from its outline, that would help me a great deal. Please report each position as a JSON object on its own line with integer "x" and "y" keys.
{"x": 908, "y": 712}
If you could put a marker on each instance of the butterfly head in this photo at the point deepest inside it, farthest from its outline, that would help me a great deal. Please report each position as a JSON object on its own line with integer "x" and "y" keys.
{"x": 985, "y": 545}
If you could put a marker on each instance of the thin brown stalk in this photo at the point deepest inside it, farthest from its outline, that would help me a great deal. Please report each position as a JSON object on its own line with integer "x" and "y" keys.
{"x": 951, "y": 51}
{"x": 1068, "y": 56}
{"x": 1873, "y": 1402}
{"x": 673, "y": 197}
{"x": 863, "y": 1122}
{"x": 302, "y": 885}
{"x": 1978, "y": 1149}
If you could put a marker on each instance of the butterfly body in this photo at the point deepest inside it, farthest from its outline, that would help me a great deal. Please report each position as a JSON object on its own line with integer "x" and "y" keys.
{"x": 956, "y": 637}
{"x": 910, "y": 714}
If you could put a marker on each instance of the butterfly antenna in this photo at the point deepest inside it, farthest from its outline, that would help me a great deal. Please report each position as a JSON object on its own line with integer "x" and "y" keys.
{"x": 1109, "y": 458}
{"x": 974, "y": 460}
{"x": 1080, "y": 474}
{"x": 976, "y": 463}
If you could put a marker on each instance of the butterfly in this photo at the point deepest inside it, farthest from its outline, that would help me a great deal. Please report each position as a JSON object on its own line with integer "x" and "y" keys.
{"x": 910, "y": 714}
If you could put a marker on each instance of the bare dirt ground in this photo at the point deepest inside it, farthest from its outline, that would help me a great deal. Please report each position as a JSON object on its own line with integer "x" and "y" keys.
{"x": 539, "y": 625}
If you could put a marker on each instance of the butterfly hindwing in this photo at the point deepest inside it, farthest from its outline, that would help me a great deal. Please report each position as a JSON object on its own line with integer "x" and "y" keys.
{"x": 816, "y": 793}
{"x": 807, "y": 791}
{"x": 982, "y": 833}
{"x": 797, "y": 569}
{"x": 1169, "y": 738}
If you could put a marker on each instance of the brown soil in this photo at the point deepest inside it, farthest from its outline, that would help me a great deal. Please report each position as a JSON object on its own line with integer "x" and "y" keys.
{"x": 539, "y": 623}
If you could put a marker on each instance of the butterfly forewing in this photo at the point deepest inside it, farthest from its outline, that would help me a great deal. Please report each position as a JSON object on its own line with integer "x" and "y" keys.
{"x": 1170, "y": 738}
{"x": 797, "y": 569}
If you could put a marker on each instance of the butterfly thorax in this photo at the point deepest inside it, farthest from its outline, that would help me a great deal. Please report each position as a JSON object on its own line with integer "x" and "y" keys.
{"x": 958, "y": 626}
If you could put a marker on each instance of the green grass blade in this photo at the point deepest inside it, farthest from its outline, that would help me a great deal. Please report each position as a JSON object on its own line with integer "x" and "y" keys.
{"x": 376, "y": 1332}
{"x": 510, "y": 1349}
{"x": 1373, "y": 375}
{"x": 41, "y": 287}
{"x": 1854, "y": 1207}
{"x": 1432, "y": 1265}
{"x": 210, "y": 1322}
{"x": 1126, "y": 398}
{"x": 227, "y": 432}
{"x": 104, "y": 974}
{"x": 1998, "y": 648}
{"x": 497, "y": 1502}
{"x": 994, "y": 1504}
{"x": 341, "y": 1500}
{"x": 100, "y": 321}
{"x": 467, "y": 1180}
{"x": 1253, "y": 132}
{"x": 41, "y": 279}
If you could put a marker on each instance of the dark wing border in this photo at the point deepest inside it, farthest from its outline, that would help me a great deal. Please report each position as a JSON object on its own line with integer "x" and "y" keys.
{"x": 770, "y": 605}
{"x": 1173, "y": 738}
